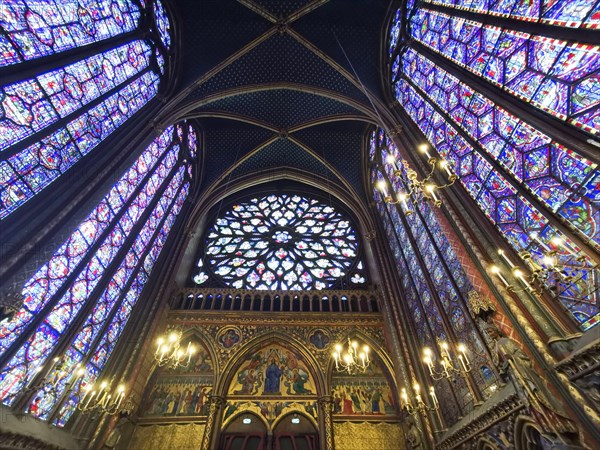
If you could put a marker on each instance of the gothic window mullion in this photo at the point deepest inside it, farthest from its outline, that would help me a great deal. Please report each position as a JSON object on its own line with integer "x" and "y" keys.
{"x": 49, "y": 31}
{"x": 432, "y": 336}
{"x": 568, "y": 229}
{"x": 77, "y": 328}
{"x": 27, "y": 69}
{"x": 99, "y": 364}
{"x": 569, "y": 136}
{"x": 62, "y": 122}
{"x": 585, "y": 35}
{"x": 459, "y": 292}
{"x": 76, "y": 319}
{"x": 427, "y": 275}
{"x": 75, "y": 272}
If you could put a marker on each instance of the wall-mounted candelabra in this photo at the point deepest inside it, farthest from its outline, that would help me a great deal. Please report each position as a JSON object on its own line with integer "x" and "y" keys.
{"x": 101, "y": 398}
{"x": 420, "y": 406}
{"x": 169, "y": 352}
{"x": 448, "y": 367}
{"x": 351, "y": 359}
{"x": 417, "y": 190}
{"x": 541, "y": 268}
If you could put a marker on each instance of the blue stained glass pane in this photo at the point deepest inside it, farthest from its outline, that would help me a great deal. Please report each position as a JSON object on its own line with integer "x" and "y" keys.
{"x": 516, "y": 219}
{"x": 29, "y": 106}
{"x": 108, "y": 341}
{"x": 40, "y": 28}
{"x": 30, "y": 171}
{"x": 564, "y": 13}
{"x": 506, "y": 139}
{"x": 162, "y": 23}
{"x": 39, "y": 289}
{"x": 553, "y": 75}
{"x": 96, "y": 320}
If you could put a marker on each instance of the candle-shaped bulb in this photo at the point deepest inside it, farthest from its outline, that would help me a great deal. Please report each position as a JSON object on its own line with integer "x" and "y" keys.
{"x": 427, "y": 351}
{"x": 556, "y": 241}
{"x": 354, "y": 344}
{"x": 103, "y": 385}
{"x": 338, "y": 348}
{"x": 416, "y": 387}
{"x": 461, "y": 348}
{"x": 382, "y": 186}
{"x": 173, "y": 337}
{"x": 424, "y": 148}
{"x": 444, "y": 345}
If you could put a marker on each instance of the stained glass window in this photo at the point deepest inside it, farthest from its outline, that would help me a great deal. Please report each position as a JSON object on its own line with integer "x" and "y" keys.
{"x": 520, "y": 176}
{"x": 95, "y": 278}
{"x": 32, "y": 29}
{"x": 282, "y": 242}
{"x": 556, "y": 76}
{"x": 51, "y": 121}
{"x": 565, "y": 13}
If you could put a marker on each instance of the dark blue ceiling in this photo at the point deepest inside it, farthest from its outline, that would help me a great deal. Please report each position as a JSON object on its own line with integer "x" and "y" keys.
{"x": 283, "y": 153}
{"x": 279, "y": 59}
{"x": 283, "y": 64}
{"x": 273, "y": 107}
{"x": 281, "y": 9}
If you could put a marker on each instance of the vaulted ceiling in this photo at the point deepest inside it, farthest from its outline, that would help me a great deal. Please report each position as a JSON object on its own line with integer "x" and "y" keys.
{"x": 280, "y": 84}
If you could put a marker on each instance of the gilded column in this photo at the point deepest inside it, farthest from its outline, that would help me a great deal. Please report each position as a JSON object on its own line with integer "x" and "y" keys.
{"x": 325, "y": 404}
{"x": 213, "y": 422}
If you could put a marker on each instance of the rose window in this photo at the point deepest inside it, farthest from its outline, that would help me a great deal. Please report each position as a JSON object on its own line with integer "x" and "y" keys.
{"x": 282, "y": 242}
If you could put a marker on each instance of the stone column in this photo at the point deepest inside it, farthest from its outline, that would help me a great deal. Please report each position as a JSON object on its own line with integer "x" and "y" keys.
{"x": 325, "y": 408}
{"x": 213, "y": 422}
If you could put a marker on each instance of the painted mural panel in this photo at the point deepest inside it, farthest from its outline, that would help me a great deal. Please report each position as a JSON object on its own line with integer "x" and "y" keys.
{"x": 272, "y": 371}
{"x": 182, "y": 391}
{"x": 367, "y": 394}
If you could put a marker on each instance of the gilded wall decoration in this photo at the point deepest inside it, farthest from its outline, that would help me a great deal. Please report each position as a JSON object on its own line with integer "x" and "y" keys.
{"x": 227, "y": 338}
{"x": 367, "y": 394}
{"x": 177, "y": 396}
{"x": 167, "y": 437}
{"x": 272, "y": 371}
{"x": 368, "y": 435}
{"x": 180, "y": 392}
{"x": 269, "y": 409}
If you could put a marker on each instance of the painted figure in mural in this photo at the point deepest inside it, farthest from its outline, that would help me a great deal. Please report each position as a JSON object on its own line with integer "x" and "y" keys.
{"x": 514, "y": 365}
{"x": 337, "y": 404}
{"x": 247, "y": 379}
{"x": 319, "y": 340}
{"x": 348, "y": 403}
{"x": 299, "y": 379}
{"x": 229, "y": 339}
{"x": 375, "y": 399}
{"x": 273, "y": 378}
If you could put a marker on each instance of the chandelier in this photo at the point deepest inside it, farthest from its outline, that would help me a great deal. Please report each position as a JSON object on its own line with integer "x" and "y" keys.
{"x": 418, "y": 190}
{"x": 351, "y": 359}
{"x": 105, "y": 400}
{"x": 169, "y": 352}
{"x": 448, "y": 367}
{"x": 420, "y": 407}
{"x": 541, "y": 268}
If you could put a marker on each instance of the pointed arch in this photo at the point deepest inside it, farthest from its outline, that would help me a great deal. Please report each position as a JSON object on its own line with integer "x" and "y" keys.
{"x": 254, "y": 345}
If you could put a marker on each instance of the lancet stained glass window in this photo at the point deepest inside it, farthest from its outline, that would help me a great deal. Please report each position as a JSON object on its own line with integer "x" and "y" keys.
{"x": 97, "y": 276}
{"x": 520, "y": 172}
{"x": 282, "y": 241}
{"x": 51, "y": 121}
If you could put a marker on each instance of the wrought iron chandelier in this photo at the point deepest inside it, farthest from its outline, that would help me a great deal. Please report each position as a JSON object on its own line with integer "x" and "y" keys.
{"x": 169, "y": 352}
{"x": 351, "y": 359}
